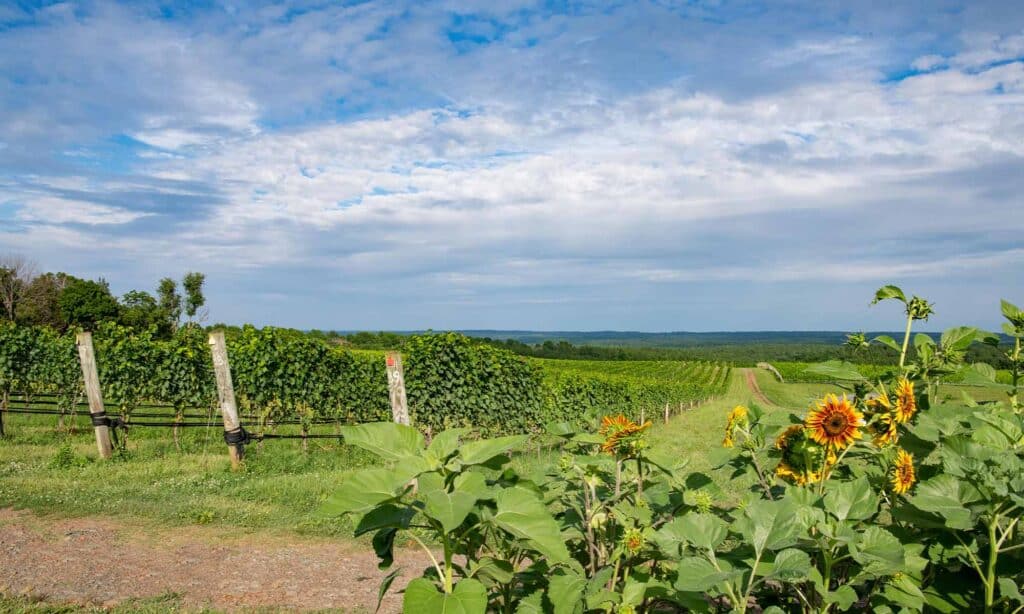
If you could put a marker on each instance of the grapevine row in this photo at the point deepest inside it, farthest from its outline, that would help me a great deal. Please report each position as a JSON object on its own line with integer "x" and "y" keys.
{"x": 281, "y": 376}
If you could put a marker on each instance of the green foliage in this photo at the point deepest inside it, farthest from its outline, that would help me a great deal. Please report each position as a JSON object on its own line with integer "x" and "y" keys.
{"x": 917, "y": 507}
{"x": 194, "y": 299}
{"x": 66, "y": 458}
{"x": 86, "y": 303}
{"x": 454, "y": 382}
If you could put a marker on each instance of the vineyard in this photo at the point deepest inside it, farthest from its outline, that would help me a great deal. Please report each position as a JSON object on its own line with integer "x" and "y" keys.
{"x": 284, "y": 379}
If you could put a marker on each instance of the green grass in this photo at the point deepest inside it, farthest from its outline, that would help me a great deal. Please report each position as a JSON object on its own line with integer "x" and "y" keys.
{"x": 280, "y": 487}
{"x": 694, "y": 434}
{"x": 161, "y": 604}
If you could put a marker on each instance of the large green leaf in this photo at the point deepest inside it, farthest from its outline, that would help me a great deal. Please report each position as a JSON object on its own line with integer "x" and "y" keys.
{"x": 770, "y": 525}
{"x": 959, "y": 338}
{"x": 698, "y": 574}
{"x": 704, "y": 531}
{"x": 878, "y": 552}
{"x": 981, "y": 374}
{"x": 565, "y": 591}
{"x": 468, "y": 597}
{"x": 889, "y": 292}
{"x": 1012, "y": 313}
{"x": 888, "y": 342}
{"x": 445, "y": 443}
{"x": 946, "y": 496}
{"x": 384, "y": 516}
{"x": 790, "y": 565}
{"x": 521, "y": 513}
{"x": 479, "y": 452}
{"x": 475, "y": 484}
{"x": 448, "y": 508}
{"x": 844, "y": 597}
{"x": 532, "y": 603}
{"x": 365, "y": 489}
{"x": 853, "y": 500}
{"x": 388, "y": 440}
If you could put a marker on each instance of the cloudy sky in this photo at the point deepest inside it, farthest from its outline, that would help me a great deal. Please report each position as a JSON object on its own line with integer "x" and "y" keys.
{"x": 636, "y": 166}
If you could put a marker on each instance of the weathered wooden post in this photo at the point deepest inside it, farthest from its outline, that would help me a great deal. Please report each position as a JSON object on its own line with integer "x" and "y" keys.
{"x": 234, "y": 434}
{"x": 97, "y": 412}
{"x": 396, "y": 388}
{"x": 666, "y": 413}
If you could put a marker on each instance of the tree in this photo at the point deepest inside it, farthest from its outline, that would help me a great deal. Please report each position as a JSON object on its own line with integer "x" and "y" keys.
{"x": 194, "y": 299}
{"x": 39, "y": 305}
{"x": 16, "y": 273}
{"x": 170, "y": 301}
{"x": 139, "y": 310}
{"x": 87, "y": 303}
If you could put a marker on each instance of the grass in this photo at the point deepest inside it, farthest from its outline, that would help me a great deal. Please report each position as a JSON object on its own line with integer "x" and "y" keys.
{"x": 280, "y": 487}
{"x": 161, "y": 604}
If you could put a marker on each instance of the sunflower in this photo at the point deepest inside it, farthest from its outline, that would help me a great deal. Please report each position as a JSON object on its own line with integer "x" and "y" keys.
{"x": 906, "y": 404}
{"x": 903, "y": 475}
{"x": 737, "y": 419}
{"x": 633, "y": 540}
{"x": 885, "y": 430}
{"x": 802, "y": 459}
{"x": 834, "y": 422}
{"x": 621, "y": 435}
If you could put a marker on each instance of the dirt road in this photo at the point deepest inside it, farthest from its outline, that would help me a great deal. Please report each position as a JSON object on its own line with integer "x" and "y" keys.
{"x": 102, "y": 562}
{"x": 754, "y": 388}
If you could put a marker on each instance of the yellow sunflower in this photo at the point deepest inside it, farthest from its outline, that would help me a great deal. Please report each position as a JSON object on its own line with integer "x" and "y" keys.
{"x": 620, "y": 434}
{"x": 737, "y": 419}
{"x": 802, "y": 459}
{"x": 885, "y": 430}
{"x": 906, "y": 404}
{"x": 834, "y": 423}
{"x": 903, "y": 475}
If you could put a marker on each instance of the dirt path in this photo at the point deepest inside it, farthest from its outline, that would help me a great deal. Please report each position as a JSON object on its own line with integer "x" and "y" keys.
{"x": 101, "y": 562}
{"x": 754, "y": 388}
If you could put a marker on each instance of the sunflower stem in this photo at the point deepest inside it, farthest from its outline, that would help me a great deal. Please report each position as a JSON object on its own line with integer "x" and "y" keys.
{"x": 993, "y": 556}
{"x": 906, "y": 341}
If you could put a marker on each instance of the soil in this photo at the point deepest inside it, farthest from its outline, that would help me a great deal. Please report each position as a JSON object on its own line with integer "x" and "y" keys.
{"x": 97, "y": 561}
{"x": 755, "y": 389}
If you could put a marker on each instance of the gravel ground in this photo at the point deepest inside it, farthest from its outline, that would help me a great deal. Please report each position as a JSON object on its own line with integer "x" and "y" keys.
{"x": 99, "y": 561}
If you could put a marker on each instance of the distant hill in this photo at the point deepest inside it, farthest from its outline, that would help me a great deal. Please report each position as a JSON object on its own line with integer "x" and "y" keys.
{"x": 678, "y": 339}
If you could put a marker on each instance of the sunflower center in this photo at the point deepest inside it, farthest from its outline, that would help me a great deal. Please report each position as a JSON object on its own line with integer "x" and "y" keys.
{"x": 835, "y": 424}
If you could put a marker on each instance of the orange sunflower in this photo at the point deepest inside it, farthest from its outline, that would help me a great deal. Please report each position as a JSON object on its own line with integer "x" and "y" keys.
{"x": 834, "y": 422}
{"x": 903, "y": 475}
{"x": 620, "y": 434}
{"x": 906, "y": 404}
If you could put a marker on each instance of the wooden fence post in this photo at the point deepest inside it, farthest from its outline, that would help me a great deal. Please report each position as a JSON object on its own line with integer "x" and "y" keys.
{"x": 666, "y": 413}
{"x": 226, "y": 396}
{"x": 396, "y": 388}
{"x": 97, "y": 411}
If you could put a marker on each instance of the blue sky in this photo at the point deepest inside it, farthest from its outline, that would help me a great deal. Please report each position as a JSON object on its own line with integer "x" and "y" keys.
{"x": 535, "y": 165}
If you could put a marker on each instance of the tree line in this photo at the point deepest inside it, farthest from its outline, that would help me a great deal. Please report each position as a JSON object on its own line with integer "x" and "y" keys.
{"x": 61, "y": 301}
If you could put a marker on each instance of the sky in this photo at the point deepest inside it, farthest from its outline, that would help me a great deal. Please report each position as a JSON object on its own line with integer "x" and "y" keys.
{"x": 642, "y": 166}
